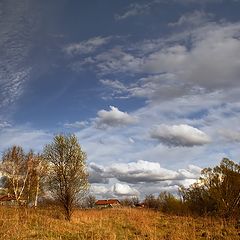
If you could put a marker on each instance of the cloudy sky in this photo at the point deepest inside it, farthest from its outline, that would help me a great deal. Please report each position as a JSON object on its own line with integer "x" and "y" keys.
{"x": 150, "y": 87}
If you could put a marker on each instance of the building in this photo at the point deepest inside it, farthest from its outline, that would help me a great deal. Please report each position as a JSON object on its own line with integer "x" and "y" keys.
{"x": 110, "y": 203}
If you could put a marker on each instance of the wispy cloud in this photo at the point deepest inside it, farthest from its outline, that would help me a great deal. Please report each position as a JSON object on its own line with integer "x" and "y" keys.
{"x": 86, "y": 47}
{"x": 77, "y": 124}
{"x": 135, "y": 9}
{"x": 24, "y": 136}
{"x": 15, "y": 43}
{"x": 192, "y": 19}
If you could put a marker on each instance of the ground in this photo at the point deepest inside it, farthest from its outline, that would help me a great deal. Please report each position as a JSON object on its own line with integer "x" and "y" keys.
{"x": 110, "y": 224}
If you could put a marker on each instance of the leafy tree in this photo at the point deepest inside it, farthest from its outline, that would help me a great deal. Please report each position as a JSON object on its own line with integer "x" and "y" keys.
{"x": 68, "y": 176}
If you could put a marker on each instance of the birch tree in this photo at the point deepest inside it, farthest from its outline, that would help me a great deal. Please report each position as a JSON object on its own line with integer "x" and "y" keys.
{"x": 36, "y": 178}
{"x": 15, "y": 167}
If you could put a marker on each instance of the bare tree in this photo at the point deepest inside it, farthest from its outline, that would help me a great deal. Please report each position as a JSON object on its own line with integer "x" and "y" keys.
{"x": 15, "y": 167}
{"x": 38, "y": 172}
{"x": 89, "y": 201}
{"x": 68, "y": 176}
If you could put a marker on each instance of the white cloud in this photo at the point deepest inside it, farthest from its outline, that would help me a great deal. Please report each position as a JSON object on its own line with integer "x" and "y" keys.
{"x": 230, "y": 135}
{"x": 25, "y": 137}
{"x": 135, "y": 9}
{"x": 114, "y": 117}
{"x": 77, "y": 124}
{"x": 172, "y": 68}
{"x": 120, "y": 189}
{"x": 15, "y": 43}
{"x": 4, "y": 124}
{"x": 86, "y": 47}
{"x": 141, "y": 172}
{"x": 179, "y": 135}
{"x": 99, "y": 190}
{"x": 195, "y": 18}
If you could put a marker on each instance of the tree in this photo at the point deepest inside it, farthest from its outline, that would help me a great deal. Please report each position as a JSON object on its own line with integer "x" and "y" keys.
{"x": 16, "y": 169}
{"x": 23, "y": 174}
{"x": 68, "y": 180}
{"x": 89, "y": 201}
{"x": 217, "y": 191}
{"x": 36, "y": 178}
{"x": 223, "y": 184}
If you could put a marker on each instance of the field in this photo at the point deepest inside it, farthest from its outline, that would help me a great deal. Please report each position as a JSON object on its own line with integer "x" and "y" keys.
{"x": 110, "y": 224}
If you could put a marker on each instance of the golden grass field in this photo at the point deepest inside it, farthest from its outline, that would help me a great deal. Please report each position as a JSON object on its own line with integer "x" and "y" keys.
{"x": 109, "y": 224}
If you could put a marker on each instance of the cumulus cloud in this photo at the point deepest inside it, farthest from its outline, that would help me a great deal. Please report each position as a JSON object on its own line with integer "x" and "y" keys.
{"x": 88, "y": 46}
{"x": 115, "y": 190}
{"x": 120, "y": 189}
{"x": 114, "y": 117}
{"x": 99, "y": 190}
{"x": 179, "y": 135}
{"x": 141, "y": 172}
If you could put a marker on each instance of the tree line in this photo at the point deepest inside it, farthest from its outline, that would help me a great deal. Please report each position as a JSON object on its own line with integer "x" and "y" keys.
{"x": 59, "y": 172}
{"x": 215, "y": 193}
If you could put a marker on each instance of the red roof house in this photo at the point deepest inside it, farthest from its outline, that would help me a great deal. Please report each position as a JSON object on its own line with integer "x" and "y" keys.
{"x": 107, "y": 203}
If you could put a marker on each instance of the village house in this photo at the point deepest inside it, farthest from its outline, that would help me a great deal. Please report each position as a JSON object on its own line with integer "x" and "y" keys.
{"x": 110, "y": 203}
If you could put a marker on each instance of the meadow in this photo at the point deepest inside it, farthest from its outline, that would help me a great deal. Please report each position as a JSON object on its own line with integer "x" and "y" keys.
{"x": 110, "y": 224}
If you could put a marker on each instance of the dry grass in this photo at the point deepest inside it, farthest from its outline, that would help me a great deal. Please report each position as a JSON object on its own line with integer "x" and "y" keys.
{"x": 110, "y": 224}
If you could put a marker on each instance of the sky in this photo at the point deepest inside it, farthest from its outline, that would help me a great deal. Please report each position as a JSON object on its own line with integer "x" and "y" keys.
{"x": 150, "y": 88}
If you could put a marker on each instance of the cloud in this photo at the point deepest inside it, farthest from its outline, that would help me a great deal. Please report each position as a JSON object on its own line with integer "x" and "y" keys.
{"x": 114, "y": 117}
{"x": 99, "y": 190}
{"x": 4, "y": 124}
{"x": 141, "y": 172}
{"x": 195, "y": 18}
{"x": 179, "y": 135}
{"x": 86, "y": 47}
{"x": 120, "y": 189}
{"x": 115, "y": 190}
{"x": 25, "y": 137}
{"x": 204, "y": 58}
{"x": 135, "y": 9}
{"x": 230, "y": 135}
{"x": 16, "y": 35}
{"x": 77, "y": 124}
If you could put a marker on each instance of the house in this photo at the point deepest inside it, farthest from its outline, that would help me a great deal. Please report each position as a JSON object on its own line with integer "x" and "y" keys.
{"x": 110, "y": 203}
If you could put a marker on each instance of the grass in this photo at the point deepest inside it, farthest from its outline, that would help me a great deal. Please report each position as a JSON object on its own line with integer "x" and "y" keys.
{"x": 110, "y": 224}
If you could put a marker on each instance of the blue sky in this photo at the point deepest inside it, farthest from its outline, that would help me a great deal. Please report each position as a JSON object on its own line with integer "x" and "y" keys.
{"x": 151, "y": 88}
